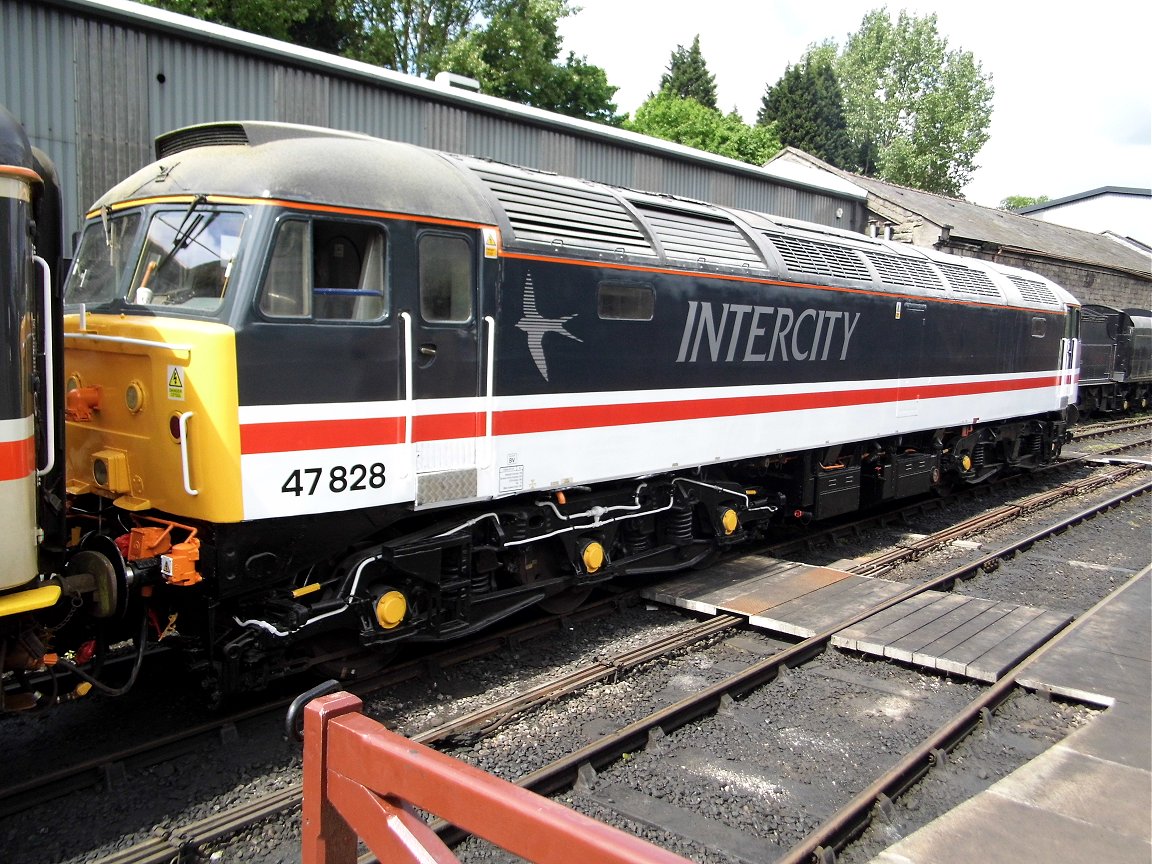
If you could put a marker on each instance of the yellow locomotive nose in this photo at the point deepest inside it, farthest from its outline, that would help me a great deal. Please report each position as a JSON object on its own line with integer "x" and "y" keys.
{"x": 151, "y": 414}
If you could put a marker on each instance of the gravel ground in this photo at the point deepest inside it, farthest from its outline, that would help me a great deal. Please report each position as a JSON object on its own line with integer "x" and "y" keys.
{"x": 809, "y": 738}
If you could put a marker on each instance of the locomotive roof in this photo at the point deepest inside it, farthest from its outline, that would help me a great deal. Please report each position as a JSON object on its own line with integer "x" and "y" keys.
{"x": 302, "y": 163}
{"x": 544, "y": 213}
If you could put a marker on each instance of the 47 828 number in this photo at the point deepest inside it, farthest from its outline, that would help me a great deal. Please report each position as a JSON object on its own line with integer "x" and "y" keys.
{"x": 337, "y": 479}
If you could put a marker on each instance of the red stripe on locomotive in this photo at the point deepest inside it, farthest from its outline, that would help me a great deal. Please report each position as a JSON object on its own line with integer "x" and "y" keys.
{"x": 17, "y": 459}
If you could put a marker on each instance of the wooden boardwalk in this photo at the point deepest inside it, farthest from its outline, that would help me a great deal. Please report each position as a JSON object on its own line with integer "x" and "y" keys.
{"x": 968, "y": 636}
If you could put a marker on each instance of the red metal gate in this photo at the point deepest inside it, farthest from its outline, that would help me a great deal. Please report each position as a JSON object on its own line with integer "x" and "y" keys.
{"x": 362, "y": 781}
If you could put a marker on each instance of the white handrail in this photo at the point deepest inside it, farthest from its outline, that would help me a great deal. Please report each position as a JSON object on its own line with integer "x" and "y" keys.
{"x": 49, "y": 368}
{"x": 184, "y": 418}
{"x": 489, "y": 390}
{"x": 408, "y": 361}
{"x": 125, "y": 340}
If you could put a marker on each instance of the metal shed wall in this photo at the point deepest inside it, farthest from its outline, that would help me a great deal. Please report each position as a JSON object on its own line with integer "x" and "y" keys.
{"x": 95, "y": 81}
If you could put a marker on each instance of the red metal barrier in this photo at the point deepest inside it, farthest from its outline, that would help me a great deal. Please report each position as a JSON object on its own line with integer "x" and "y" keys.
{"x": 360, "y": 780}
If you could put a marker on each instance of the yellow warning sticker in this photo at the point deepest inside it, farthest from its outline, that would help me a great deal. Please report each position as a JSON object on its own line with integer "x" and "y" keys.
{"x": 176, "y": 383}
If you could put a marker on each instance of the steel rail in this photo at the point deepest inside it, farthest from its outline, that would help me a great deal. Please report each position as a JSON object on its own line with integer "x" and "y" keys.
{"x": 853, "y": 817}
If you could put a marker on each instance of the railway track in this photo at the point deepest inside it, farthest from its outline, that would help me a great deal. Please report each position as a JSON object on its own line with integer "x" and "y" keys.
{"x": 564, "y": 774}
{"x": 109, "y": 768}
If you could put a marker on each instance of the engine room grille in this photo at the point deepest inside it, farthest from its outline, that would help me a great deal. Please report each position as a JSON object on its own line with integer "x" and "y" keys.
{"x": 812, "y": 256}
{"x": 561, "y": 215}
{"x": 701, "y": 239}
{"x": 965, "y": 280}
{"x": 200, "y": 136}
{"x": 899, "y": 270}
{"x": 1037, "y": 292}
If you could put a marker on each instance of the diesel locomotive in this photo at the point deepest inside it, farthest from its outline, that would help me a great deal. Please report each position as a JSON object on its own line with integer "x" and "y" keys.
{"x": 324, "y": 391}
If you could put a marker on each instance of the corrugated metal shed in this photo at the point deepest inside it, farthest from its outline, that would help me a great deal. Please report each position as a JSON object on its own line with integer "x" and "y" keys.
{"x": 95, "y": 81}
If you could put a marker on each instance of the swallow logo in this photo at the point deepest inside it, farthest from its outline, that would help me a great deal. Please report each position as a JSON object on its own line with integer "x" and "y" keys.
{"x": 535, "y": 326}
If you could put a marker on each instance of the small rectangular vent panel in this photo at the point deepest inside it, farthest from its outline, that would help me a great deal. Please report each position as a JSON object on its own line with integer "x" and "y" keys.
{"x": 965, "y": 280}
{"x": 1036, "y": 292}
{"x": 910, "y": 272}
{"x": 200, "y": 136}
{"x": 804, "y": 255}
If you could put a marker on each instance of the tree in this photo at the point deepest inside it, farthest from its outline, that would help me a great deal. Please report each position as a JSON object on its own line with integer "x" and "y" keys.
{"x": 516, "y": 57}
{"x": 687, "y": 122}
{"x": 688, "y": 76}
{"x": 917, "y": 112}
{"x": 807, "y": 107}
{"x": 1019, "y": 202}
{"x": 414, "y": 36}
{"x": 320, "y": 24}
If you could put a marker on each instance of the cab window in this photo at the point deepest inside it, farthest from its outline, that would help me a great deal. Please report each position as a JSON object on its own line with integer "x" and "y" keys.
{"x": 445, "y": 279}
{"x": 326, "y": 270}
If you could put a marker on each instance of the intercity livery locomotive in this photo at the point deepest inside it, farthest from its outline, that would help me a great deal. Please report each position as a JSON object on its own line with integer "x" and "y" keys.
{"x": 326, "y": 391}
{"x": 31, "y": 460}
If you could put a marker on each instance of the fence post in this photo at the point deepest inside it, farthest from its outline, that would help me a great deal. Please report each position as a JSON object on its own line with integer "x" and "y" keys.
{"x": 325, "y": 836}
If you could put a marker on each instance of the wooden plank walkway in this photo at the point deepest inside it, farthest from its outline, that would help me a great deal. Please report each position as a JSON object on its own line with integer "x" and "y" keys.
{"x": 966, "y": 636}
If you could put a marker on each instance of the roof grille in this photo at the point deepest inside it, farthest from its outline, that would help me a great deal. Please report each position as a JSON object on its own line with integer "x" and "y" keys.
{"x": 805, "y": 255}
{"x": 965, "y": 280}
{"x": 1037, "y": 292}
{"x": 543, "y": 211}
{"x": 902, "y": 270}
{"x": 200, "y": 136}
{"x": 701, "y": 239}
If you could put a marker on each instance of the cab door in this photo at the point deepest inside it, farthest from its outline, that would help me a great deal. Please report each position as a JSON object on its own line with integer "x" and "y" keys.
{"x": 444, "y": 359}
{"x": 913, "y": 318}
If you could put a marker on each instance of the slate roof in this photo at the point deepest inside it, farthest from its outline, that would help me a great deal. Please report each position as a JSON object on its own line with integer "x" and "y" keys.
{"x": 989, "y": 226}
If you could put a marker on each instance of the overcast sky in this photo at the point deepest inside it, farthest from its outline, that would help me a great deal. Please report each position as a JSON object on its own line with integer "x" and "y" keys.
{"x": 1072, "y": 108}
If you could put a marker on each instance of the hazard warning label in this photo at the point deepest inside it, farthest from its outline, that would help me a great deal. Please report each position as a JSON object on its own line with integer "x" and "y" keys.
{"x": 176, "y": 383}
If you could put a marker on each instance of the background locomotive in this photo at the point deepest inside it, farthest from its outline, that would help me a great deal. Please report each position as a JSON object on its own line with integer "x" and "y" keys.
{"x": 32, "y": 544}
{"x": 328, "y": 389}
{"x": 1116, "y": 361}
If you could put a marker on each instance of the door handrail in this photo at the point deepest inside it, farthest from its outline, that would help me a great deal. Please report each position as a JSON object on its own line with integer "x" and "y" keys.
{"x": 49, "y": 368}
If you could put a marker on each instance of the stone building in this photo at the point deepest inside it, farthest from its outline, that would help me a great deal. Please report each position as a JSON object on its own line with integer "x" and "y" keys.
{"x": 1095, "y": 268}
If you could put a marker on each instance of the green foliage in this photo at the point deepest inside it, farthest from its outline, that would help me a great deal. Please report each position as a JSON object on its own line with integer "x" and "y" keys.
{"x": 326, "y": 25}
{"x": 1019, "y": 202}
{"x": 688, "y": 76}
{"x": 515, "y": 57}
{"x": 808, "y": 110}
{"x": 414, "y": 36}
{"x": 917, "y": 112}
{"x": 687, "y": 122}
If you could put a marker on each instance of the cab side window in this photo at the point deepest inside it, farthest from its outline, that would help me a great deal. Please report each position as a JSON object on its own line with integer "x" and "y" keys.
{"x": 326, "y": 270}
{"x": 445, "y": 268}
